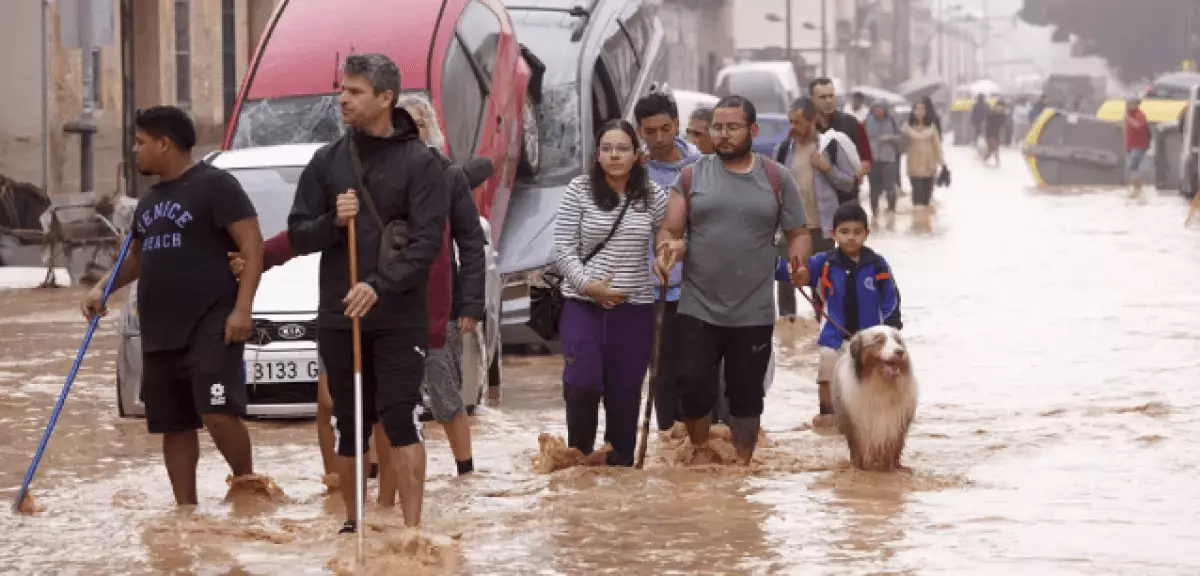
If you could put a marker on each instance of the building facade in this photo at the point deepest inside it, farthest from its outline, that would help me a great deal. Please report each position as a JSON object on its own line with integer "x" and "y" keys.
{"x": 699, "y": 39}
{"x": 190, "y": 53}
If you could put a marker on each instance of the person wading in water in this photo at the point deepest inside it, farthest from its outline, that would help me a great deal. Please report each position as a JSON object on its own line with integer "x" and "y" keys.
{"x": 195, "y": 315}
{"x": 728, "y": 205}
{"x": 406, "y": 185}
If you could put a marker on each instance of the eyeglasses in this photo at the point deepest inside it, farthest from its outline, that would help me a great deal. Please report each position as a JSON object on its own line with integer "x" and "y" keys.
{"x": 619, "y": 149}
{"x": 695, "y": 133}
{"x": 727, "y": 128}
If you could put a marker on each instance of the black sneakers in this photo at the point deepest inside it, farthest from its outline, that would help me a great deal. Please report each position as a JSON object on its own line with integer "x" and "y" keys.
{"x": 350, "y": 527}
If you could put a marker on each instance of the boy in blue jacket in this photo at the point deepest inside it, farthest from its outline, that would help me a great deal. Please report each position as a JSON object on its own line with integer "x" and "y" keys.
{"x": 855, "y": 287}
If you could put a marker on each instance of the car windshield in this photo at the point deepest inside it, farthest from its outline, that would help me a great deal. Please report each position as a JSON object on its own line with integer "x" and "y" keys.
{"x": 271, "y": 190}
{"x": 548, "y": 36}
{"x": 761, "y": 88}
{"x": 288, "y": 120}
{"x": 1168, "y": 92}
{"x": 311, "y": 119}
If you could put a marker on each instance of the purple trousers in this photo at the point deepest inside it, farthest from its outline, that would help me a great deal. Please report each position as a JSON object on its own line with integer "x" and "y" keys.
{"x": 605, "y": 357}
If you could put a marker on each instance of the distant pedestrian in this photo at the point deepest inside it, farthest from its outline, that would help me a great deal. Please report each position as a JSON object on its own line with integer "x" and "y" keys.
{"x": 886, "y": 139}
{"x": 1137, "y": 143}
{"x": 820, "y": 175}
{"x": 924, "y": 148}
{"x": 824, "y": 95}
{"x": 697, "y": 130}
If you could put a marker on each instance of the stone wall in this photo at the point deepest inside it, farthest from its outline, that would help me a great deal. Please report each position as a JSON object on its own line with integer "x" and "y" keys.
{"x": 154, "y": 76}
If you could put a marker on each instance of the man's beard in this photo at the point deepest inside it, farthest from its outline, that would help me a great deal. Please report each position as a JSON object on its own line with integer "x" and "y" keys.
{"x": 739, "y": 153}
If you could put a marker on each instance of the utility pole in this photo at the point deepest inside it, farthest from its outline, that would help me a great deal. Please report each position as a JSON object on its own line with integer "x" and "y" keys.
{"x": 85, "y": 126}
{"x": 787, "y": 19}
{"x": 985, "y": 30}
{"x": 824, "y": 37}
{"x": 941, "y": 39}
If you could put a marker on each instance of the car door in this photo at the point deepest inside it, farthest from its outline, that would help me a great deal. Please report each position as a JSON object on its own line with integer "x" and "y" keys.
{"x": 478, "y": 32}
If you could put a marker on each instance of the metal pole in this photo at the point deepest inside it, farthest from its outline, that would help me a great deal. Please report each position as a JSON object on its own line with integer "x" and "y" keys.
{"x": 941, "y": 43}
{"x": 824, "y": 39}
{"x": 87, "y": 122}
{"x": 985, "y": 29}
{"x": 45, "y": 99}
{"x": 787, "y": 21}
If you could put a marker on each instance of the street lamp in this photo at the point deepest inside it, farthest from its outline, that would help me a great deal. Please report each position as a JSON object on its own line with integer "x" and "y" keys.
{"x": 787, "y": 24}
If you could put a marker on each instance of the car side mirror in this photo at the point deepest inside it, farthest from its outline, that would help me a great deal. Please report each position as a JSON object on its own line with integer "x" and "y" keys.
{"x": 478, "y": 170}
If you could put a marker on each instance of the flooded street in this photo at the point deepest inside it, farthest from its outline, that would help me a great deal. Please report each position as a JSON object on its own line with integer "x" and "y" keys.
{"x": 1054, "y": 336}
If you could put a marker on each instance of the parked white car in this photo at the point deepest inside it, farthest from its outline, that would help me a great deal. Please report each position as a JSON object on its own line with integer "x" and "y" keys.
{"x": 281, "y": 358}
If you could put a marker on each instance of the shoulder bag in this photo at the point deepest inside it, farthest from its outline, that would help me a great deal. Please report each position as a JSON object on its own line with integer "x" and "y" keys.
{"x": 546, "y": 302}
{"x": 393, "y": 235}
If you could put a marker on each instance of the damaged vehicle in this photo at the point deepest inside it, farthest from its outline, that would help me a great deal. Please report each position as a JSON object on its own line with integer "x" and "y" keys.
{"x": 281, "y": 356}
{"x": 599, "y": 59}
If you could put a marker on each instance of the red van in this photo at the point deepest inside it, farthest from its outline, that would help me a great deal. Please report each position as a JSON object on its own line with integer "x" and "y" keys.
{"x": 460, "y": 54}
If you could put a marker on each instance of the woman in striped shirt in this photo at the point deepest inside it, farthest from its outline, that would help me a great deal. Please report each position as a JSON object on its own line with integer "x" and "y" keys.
{"x": 605, "y": 221}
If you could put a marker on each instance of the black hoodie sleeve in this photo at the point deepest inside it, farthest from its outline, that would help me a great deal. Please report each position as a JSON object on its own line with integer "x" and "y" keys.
{"x": 312, "y": 223}
{"x": 427, "y": 203}
{"x": 468, "y": 236}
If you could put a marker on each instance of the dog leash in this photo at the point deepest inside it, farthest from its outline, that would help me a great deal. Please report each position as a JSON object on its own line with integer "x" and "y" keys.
{"x": 821, "y": 312}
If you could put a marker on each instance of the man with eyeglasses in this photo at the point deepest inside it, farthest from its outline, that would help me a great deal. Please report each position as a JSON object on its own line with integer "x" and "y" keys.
{"x": 697, "y": 130}
{"x": 729, "y": 206}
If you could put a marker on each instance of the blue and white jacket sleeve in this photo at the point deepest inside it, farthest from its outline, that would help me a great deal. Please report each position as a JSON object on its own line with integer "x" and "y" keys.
{"x": 889, "y": 296}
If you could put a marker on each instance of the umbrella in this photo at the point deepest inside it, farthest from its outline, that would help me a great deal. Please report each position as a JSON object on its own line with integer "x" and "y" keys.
{"x": 916, "y": 88}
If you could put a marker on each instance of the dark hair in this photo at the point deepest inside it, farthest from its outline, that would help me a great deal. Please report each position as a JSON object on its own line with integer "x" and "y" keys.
{"x": 735, "y": 101}
{"x": 931, "y": 115}
{"x": 822, "y": 81}
{"x": 703, "y": 113}
{"x": 653, "y": 105}
{"x": 167, "y": 122}
{"x": 379, "y": 70}
{"x": 806, "y": 105}
{"x": 638, "y": 187}
{"x": 850, "y": 212}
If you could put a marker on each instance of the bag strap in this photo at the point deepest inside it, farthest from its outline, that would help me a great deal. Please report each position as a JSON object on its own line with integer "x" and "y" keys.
{"x": 616, "y": 224}
{"x": 784, "y": 148}
{"x": 356, "y": 163}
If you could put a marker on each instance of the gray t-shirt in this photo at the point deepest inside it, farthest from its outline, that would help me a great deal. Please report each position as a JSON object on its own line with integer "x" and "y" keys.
{"x": 729, "y": 269}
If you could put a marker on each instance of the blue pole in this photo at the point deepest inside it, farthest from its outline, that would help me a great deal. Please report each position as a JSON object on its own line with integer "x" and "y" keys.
{"x": 62, "y": 396}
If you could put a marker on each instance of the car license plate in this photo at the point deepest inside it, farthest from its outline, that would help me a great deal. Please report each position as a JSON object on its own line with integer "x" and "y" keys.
{"x": 281, "y": 371}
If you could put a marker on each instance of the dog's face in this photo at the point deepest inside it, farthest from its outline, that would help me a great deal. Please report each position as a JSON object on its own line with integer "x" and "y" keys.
{"x": 880, "y": 349}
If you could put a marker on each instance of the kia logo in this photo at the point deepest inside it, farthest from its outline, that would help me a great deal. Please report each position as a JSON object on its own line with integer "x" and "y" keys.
{"x": 291, "y": 331}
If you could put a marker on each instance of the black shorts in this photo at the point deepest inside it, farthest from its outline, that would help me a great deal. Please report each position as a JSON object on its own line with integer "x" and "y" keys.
{"x": 746, "y": 351}
{"x": 179, "y": 386}
{"x": 393, "y": 366}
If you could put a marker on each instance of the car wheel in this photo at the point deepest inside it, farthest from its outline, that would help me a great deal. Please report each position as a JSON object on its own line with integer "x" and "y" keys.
{"x": 531, "y": 140}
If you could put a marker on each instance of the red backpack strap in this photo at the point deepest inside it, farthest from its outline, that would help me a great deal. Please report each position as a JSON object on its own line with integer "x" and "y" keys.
{"x": 773, "y": 177}
{"x": 685, "y": 181}
{"x": 776, "y": 181}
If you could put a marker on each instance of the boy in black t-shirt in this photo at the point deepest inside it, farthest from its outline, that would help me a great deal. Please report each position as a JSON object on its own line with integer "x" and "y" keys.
{"x": 195, "y": 315}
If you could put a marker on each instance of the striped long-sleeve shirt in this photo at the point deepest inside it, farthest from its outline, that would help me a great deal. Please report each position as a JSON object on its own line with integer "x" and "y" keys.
{"x": 581, "y": 225}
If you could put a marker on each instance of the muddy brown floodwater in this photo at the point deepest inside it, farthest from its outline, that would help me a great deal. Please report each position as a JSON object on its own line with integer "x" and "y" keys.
{"x": 1054, "y": 336}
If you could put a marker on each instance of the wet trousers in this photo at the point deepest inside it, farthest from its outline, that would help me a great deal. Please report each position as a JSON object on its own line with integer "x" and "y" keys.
{"x": 742, "y": 354}
{"x": 666, "y": 398}
{"x": 883, "y": 183}
{"x": 605, "y": 357}
{"x": 922, "y": 191}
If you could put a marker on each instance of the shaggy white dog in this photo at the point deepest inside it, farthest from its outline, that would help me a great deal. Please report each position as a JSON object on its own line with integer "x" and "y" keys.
{"x": 875, "y": 398}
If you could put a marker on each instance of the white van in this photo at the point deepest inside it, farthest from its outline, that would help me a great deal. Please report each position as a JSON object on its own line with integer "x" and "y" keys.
{"x": 771, "y": 86}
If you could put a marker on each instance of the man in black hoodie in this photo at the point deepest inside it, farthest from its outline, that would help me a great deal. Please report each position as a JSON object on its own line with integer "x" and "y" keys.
{"x": 382, "y": 161}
